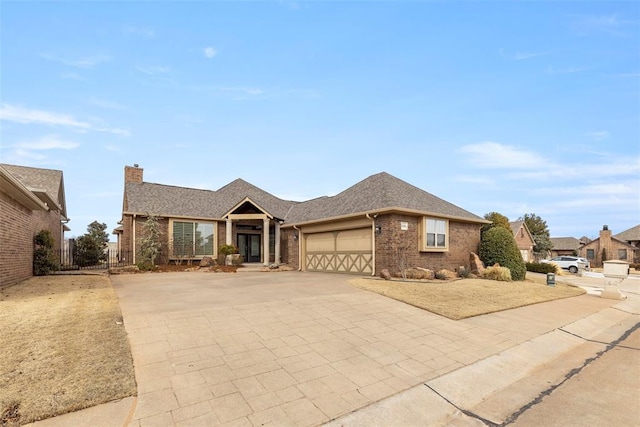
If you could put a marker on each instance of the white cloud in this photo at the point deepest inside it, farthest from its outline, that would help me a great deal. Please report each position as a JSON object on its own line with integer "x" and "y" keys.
{"x": 210, "y": 52}
{"x": 493, "y": 155}
{"x": 106, "y": 104}
{"x": 22, "y": 115}
{"x": 48, "y": 142}
{"x": 602, "y": 24}
{"x": 139, "y": 31}
{"x": 154, "y": 70}
{"x": 112, "y": 147}
{"x": 520, "y": 56}
{"x": 16, "y": 114}
{"x": 598, "y": 135}
{"x": 481, "y": 180}
{"x": 83, "y": 62}
{"x": 569, "y": 70}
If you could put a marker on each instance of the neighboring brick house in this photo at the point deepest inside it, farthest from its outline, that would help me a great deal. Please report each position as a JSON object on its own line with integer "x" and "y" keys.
{"x": 565, "y": 246}
{"x": 31, "y": 199}
{"x": 632, "y": 237}
{"x": 361, "y": 230}
{"x": 524, "y": 239}
{"x": 608, "y": 247}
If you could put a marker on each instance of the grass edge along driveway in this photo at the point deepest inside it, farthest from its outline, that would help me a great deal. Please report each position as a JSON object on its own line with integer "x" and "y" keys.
{"x": 64, "y": 347}
{"x": 464, "y": 298}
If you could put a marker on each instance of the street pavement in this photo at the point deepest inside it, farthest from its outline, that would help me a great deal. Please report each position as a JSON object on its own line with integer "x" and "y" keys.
{"x": 307, "y": 349}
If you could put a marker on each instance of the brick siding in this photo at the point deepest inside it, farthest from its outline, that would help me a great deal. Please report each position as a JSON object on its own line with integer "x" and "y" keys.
{"x": 19, "y": 226}
{"x": 464, "y": 238}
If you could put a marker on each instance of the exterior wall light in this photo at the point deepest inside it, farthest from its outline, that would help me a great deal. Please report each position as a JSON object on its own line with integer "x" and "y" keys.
{"x": 295, "y": 235}
{"x": 378, "y": 229}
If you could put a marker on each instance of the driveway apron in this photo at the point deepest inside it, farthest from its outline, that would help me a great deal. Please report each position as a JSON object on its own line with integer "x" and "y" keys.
{"x": 298, "y": 349}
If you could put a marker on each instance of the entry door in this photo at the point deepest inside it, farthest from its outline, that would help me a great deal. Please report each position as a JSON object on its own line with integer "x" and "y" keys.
{"x": 249, "y": 247}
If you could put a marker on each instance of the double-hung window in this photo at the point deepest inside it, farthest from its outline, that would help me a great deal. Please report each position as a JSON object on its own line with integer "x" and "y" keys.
{"x": 436, "y": 234}
{"x": 193, "y": 239}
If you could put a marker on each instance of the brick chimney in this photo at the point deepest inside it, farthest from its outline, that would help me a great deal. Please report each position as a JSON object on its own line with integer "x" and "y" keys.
{"x": 606, "y": 243}
{"x": 133, "y": 174}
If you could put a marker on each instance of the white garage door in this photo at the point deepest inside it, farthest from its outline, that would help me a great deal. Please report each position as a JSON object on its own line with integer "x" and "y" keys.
{"x": 345, "y": 251}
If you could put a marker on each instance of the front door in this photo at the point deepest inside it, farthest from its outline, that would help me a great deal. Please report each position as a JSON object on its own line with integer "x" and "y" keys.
{"x": 249, "y": 247}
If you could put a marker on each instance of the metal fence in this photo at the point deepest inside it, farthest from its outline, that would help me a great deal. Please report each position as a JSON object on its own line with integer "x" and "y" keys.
{"x": 71, "y": 259}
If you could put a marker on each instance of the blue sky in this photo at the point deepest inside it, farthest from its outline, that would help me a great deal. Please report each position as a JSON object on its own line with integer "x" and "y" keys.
{"x": 514, "y": 107}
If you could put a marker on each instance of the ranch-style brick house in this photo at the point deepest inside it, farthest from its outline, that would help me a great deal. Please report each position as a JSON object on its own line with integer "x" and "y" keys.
{"x": 31, "y": 199}
{"x": 362, "y": 230}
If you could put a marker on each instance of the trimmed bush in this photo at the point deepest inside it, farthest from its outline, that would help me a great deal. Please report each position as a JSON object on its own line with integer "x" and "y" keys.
{"x": 227, "y": 250}
{"x": 44, "y": 257}
{"x": 495, "y": 272}
{"x": 498, "y": 246}
{"x": 541, "y": 267}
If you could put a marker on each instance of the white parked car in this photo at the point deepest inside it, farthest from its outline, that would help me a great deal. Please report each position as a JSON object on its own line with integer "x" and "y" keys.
{"x": 571, "y": 263}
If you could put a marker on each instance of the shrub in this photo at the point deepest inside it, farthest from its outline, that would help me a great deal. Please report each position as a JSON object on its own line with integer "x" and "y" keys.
{"x": 227, "y": 250}
{"x": 498, "y": 246}
{"x": 495, "y": 272}
{"x": 542, "y": 267}
{"x": 44, "y": 258}
{"x": 445, "y": 274}
{"x": 635, "y": 266}
{"x": 464, "y": 273}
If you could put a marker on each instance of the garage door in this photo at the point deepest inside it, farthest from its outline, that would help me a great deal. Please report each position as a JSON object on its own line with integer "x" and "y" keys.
{"x": 344, "y": 251}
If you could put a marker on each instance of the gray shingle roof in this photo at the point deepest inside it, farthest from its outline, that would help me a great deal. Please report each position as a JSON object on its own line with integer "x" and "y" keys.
{"x": 630, "y": 235}
{"x": 515, "y": 226}
{"x": 49, "y": 180}
{"x": 377, "y": 192}
{"x": 565, "y": 243}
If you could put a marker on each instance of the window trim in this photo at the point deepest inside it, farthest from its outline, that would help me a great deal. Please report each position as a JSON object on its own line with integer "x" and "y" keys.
{"x": 423, "y": 235}
{"x": 214, "y": 224}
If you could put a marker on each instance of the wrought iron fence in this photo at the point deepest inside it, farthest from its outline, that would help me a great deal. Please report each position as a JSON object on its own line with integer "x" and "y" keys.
{"x": 71, "y": 259}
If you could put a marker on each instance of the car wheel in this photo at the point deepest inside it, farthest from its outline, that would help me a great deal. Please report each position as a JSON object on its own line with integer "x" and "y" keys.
{"x": 573, "y": 269}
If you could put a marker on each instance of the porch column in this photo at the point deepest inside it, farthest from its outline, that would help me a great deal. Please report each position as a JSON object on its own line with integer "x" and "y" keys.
{"x": 265, "y": 245}
{"x": 228, "y": 234}
{"x": 277, "y": 261}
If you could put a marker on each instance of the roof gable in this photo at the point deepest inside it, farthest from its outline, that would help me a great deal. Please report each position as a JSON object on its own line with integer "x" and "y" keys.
{"x": 630, "y": 235}
{"x": 375, "y": 193}
{"x": 46, "y": 184}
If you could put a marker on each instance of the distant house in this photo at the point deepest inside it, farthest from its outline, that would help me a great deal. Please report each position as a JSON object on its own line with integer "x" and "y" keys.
{"x": 606, "y": 247}
{"x": 362, "y": 230}
{"x": 565, "y": 246}
{"x": 524, "y": 239}
{"x": 31, "y": 199}
{"x": 632, "y": 237}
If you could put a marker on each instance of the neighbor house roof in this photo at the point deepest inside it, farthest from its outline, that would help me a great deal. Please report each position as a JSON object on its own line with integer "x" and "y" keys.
{"x": 630, "y": 235}
{"x": 565, "y": 243}
{"x": 380, "y": 192}
{"x": 46, "y": 184}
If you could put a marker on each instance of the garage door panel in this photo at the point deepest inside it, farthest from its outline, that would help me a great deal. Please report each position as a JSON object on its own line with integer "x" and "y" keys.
{"x": 344, "y": 251}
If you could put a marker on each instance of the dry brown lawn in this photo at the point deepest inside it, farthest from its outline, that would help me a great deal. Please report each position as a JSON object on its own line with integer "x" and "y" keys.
{"x": 63, "y": 347}
{"x": 464, "y": 298}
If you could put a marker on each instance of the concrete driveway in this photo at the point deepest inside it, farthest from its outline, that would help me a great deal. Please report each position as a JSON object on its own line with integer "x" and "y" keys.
{"x": 299, "y": 349}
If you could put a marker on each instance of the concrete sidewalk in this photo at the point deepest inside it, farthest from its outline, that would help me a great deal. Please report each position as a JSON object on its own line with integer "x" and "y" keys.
{"x": 306, "y": 349}
{"x": 499, "y": 389}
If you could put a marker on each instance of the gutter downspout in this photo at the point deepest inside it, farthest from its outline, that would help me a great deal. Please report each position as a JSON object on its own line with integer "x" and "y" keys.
{"x": 373, "y": 242}
{"x": 299, "y": 247}
{"x": 134, "y": 238}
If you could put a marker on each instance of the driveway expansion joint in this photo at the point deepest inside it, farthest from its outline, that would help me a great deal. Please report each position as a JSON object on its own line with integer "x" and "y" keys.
{"x": 464, "y": 411}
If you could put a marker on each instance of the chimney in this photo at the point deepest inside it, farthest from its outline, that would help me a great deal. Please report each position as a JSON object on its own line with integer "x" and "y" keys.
{"x": 606, "y": 243}
{"x": 133, "y": 174}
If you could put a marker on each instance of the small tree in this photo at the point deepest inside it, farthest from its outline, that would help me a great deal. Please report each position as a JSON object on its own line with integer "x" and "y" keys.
{"x": 540, "y": 232}
{"x": 90, "y": 247}
{"x": 44, "y": 258}
{"x": 497, "y": 220}
{"x": 498, "y": 246}
{"x": 150, "y": 243}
